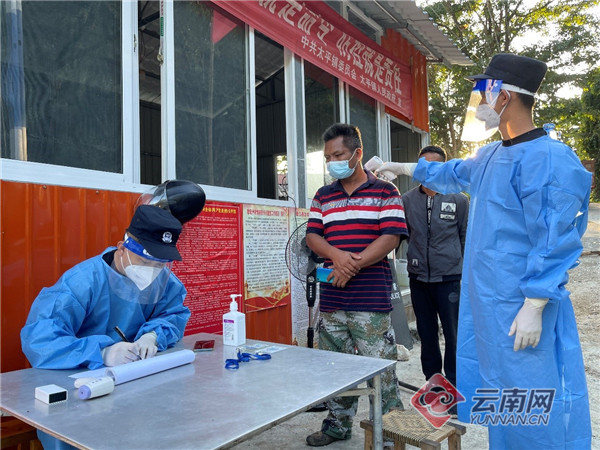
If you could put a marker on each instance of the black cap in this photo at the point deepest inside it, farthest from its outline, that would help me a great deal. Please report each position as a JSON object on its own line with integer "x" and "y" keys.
{"x": 521, "y": 71}
{"x": 157, "y": 230}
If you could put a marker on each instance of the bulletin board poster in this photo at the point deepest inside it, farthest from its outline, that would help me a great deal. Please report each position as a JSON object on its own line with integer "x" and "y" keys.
{"x": 266, "y": 232}
{"x": 212, "y": 266}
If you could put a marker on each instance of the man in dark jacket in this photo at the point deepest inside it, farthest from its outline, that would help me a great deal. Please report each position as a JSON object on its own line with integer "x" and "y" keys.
{"x": 437, "y": 227}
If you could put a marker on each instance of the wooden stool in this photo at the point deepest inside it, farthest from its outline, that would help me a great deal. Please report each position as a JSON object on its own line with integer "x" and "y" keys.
{"x": 18, "y": 435}
{"x": 410, "y": 427}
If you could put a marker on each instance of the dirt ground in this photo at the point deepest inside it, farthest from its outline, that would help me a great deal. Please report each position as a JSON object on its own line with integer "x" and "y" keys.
{"x": 584, "y": 285}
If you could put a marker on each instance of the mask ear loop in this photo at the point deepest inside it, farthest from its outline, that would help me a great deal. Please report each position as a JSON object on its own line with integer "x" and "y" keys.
{"x": 355, "y": 165}
{"x": 504, "y": 107}
{"x": 128, "y": 259}
{"x": 122, "y": 264}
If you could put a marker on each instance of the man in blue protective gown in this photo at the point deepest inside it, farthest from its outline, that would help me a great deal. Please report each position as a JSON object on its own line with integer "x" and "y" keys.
{"x": 126, "y": 290}
{"x": 519, "y": 361}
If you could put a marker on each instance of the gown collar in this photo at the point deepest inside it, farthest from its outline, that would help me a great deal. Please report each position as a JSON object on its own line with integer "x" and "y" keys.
{"x": 525, "y": 137}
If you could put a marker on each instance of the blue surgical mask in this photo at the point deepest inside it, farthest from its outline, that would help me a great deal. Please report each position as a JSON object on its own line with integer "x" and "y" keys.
{"x": 340, "y": 169}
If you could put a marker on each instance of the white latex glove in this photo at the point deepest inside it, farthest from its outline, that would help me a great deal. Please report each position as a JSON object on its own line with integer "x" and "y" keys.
{"x": 147, "y": 345}
{"x": 391, "y": 170}
{"x": 528, "y": 323}
{"x": 120, "y": 353}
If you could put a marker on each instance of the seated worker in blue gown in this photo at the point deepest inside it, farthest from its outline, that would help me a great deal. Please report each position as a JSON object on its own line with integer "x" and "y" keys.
{"x": 72, "y": 324}
{"x": 130, "y": 286}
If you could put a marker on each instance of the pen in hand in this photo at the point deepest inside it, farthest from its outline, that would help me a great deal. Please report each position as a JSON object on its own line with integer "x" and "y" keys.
{"x": 124, "y": 338}
{"x": 121, "y": 334}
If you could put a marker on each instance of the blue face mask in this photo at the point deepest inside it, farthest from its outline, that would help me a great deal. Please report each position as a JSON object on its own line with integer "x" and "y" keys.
{"x": 340, "y": 169}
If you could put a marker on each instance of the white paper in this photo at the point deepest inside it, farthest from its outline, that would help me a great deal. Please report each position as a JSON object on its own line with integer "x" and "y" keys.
{"x": 96, "y": 373}
{"x": 144, "y": 367}
{"x": 272, "y": 349}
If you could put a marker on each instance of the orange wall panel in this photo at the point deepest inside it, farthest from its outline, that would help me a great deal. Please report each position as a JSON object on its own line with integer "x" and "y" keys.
{"x": 45, "y": 231}
{"x": 272, "y": 324}
{"x": 407, "y": 53}
{"x": 16, "y": 272}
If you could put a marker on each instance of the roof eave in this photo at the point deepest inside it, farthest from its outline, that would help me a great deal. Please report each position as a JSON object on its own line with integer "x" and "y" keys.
{"x": 417, "y": 27}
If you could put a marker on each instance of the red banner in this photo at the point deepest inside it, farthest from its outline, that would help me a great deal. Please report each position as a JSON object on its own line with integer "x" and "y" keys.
{"x": 318, "y": 34}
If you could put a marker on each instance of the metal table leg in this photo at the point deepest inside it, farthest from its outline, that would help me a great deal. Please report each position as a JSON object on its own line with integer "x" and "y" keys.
{"x": 376, "y": 415}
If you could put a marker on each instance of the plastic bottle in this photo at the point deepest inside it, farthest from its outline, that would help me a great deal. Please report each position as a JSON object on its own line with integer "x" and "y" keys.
{"x": 551, "y": 131}
{"x": 234, "y": 324}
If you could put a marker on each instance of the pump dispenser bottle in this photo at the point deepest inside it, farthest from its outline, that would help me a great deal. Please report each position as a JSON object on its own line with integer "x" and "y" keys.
{"x": 234, "y": 324}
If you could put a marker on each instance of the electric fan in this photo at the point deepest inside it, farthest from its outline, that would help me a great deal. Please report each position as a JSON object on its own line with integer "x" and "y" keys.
{"x": 302, "y": 263}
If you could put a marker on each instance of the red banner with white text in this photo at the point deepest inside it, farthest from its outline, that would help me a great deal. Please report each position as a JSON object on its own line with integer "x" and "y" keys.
{"x": 318, "y": 34}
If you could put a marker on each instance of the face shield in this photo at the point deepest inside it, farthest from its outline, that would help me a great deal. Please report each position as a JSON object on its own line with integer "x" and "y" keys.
{"x": 481, "y": 121}
{"x": 145, "y": 278}
{"x": 184, "y": 199}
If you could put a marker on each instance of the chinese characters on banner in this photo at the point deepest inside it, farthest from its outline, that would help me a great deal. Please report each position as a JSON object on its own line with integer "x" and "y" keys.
{"x": 318, "y": 34}
{"x": 267, "y": 279}
{"x": 211, "y": 270}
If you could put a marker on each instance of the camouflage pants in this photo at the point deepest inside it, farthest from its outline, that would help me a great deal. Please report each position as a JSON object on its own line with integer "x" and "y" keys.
{"x": 371, "y": 334}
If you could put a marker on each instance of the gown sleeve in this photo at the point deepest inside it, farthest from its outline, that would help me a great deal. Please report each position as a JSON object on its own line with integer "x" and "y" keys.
{"x": 555, "y": 192}
{"x": 456, "y": 175}
{"x": 49, "y": 337}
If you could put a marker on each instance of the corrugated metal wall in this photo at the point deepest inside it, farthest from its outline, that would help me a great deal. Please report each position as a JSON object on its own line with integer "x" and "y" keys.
{"x": 272, "y": 325}
{"x": 47, "y": 230}
{"x": 407, "y": 53}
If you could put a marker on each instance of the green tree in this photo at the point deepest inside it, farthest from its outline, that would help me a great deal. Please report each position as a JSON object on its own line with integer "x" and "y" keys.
{"x": 590, "y": 125}
{"x": 563, "y": 33}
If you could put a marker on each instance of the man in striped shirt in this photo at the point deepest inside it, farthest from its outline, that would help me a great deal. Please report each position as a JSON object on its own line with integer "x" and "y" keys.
{"x": 354, "y": 223}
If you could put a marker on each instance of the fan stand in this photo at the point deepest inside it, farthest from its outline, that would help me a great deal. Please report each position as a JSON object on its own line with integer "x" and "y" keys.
{"x": 311, "y": 297}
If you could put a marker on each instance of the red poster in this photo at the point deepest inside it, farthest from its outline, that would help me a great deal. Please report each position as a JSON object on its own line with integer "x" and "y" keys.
{"x": 318, "y": 34}
{"x": 211, "y": 270}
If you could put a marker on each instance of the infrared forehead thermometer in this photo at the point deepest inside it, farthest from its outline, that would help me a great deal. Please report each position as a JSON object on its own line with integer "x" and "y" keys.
{"x": 96, "y": 387}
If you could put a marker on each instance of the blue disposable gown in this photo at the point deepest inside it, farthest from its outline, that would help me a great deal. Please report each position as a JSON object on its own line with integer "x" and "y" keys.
{"x": 71, "y": 322}
{"x": 528, "y": 212}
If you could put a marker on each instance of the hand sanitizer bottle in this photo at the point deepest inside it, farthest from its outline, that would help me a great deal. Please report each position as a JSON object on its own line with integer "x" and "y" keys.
{"x": 234, "y": 324}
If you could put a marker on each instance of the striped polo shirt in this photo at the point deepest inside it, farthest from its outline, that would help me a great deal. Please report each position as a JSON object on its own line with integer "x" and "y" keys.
{"x": 351, "y": 223}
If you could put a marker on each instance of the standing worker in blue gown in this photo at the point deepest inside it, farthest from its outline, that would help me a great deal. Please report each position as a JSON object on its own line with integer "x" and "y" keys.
{"x": 115, "y": 308}
{"x": 518, "y": 351}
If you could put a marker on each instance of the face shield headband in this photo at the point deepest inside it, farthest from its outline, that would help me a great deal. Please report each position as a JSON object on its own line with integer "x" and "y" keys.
{"x": 137, "y": 248}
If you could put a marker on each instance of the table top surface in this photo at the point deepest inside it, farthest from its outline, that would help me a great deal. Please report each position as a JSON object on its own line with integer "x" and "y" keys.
{"x": 198, "y": 405}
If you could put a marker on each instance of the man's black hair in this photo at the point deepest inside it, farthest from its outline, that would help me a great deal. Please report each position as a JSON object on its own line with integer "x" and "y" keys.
{"x": 351, "y": 135}
{"x": 526, "y": 100}
{"x": 434, "y": 149}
